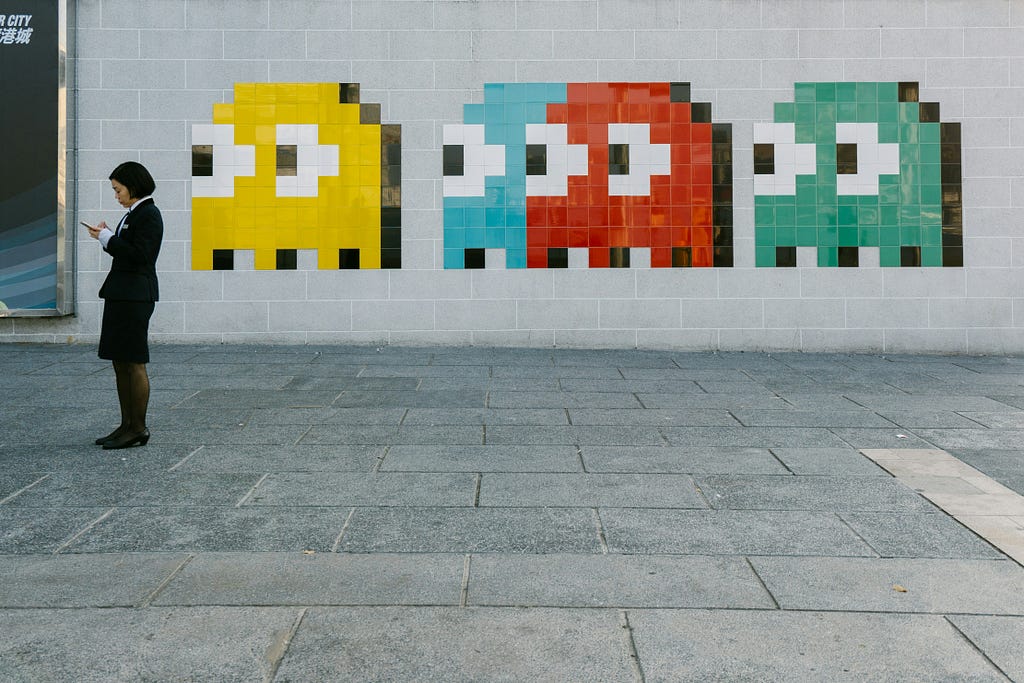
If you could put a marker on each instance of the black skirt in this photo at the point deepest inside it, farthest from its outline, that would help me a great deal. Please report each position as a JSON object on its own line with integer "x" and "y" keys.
{"x": 125, "y": 331}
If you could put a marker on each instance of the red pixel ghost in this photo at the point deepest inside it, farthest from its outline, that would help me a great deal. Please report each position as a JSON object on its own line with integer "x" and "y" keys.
{"x": 659, "y": 175}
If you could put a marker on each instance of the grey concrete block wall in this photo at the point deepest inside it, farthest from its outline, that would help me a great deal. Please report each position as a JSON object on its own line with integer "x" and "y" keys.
{"x": 145, "y": 73}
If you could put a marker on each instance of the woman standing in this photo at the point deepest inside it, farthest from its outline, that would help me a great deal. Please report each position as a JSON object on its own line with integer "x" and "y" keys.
{"x": 130, "y": 292}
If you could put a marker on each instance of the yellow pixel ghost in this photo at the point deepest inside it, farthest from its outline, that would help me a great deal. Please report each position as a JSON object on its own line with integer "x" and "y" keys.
{"x": 296, "y": 166}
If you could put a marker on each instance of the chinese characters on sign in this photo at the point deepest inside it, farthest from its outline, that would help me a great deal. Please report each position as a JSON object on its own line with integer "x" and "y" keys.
{"x": 15, "y": 29}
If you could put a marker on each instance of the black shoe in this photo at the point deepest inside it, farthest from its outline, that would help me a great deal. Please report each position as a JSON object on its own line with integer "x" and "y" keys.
{"x": 112, "y": 435}
{"x": 127, "y": 440}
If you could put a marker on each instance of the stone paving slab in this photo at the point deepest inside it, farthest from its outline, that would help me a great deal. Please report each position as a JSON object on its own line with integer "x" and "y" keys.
{"x": 464, "y": 645}
{"x": 296, "y": 458}
{"x": 678, "y": 460}
{"x": 589, "y": 490}
{"x": 938, "y": 586}
{"x": 722, "y": 417}
{"x": 473, "y": 530}
{"x": 752, "y": 437}
{"x": 365, "y": 489}
{"x": 154, "y": 489}
{"x": 485, "y": 416}
{"x": 106, "y": 580}
{"x": 702, "y": 645}
{"x": 199, "y": 529}
{"x": 999, "y": 638}
{"x": 729, "y": 532}
{"x": 484, "y": 458}
{"x": 196, "y": 644}
{"x": 827, "y": 461}
{"x": 43, "y": 530}
{"x": 615, "y": 581}
{"x": 821, "y": 493}
{"x": 239, "y": 579}
{"x": 918, "y": 535}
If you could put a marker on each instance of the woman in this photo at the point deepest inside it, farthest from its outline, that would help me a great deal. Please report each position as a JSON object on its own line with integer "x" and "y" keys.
{"x": 130, "y": 293}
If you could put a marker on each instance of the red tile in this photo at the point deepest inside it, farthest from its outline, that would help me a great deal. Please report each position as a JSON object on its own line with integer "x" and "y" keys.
{"x": 600, "y": 258}
{"x": 537, "y": 258}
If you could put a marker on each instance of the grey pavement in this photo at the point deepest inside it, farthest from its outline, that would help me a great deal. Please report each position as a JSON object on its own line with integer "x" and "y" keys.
{"x": 472, "y": 514}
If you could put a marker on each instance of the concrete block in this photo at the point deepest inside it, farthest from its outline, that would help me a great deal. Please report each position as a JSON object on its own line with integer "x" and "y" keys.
{"x": 341, "y": 285}
{"x": 887, "y": 313}
{"x": 839, "y": 43}
{"x": 781, "y": 74}
{"x": 274, "y": 44}
{"x": 216, "y": 317}
{"x": 934, "y": 43}
{"x": 109, "y": 43}
{"x": 165, "y": 15}
{"x": 802, "y": 14}
{"x": 757, "y": 44}
{"x": 225, "y": 15}
{"x": 158, "y": 74}
{"x": 317, "y": 15}
{"x": 465, "y": 530}
{"x": 573, "y": 14}
{"x": 687, "y": 340}
{"x": 982, "y": 13}
{"x": 448, "y": 284}
{"x": 389, "y": 644}
{"x": 511, "y": 44}
{"x": 476, "y": 315}
{"x": 193, "y": 43}
{"x": 559, "y": 313}
{"x": 884, "y": 13}
{"x": 84, "y": 580}
{"x": 722, "y": 313}
{"x": 938, "y": 586}
{"x": 768, "y": 283}
{"x": 317, "y": 316}
{"x": 973, "y": 312}
{"x": 773, "y": 645}
{"x": 614, "y": 581}
{"x": 134, "y": 135}
{"x": 795, "y": 313}
{"x": 436, "y": 44}
{"x": 636, "y": 313}
{"x": 392, "y": 315}
{"x": 222, "y": 74}
{"x": 728, "y": 532}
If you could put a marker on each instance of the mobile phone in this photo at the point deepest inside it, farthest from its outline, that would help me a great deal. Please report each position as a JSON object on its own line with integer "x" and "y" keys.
{"x": 91, "y": 227}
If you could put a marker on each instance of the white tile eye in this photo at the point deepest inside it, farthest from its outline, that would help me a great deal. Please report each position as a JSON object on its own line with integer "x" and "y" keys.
{"x": 313, "y": 160}
{"x": 562, "y": 160}
{"x": 791, "y": 159}
{"x": 873, "y": 158}
{"x": 479, "y": 160}
{"x": 645, "y": 159}
{"x": 229, "y": 160}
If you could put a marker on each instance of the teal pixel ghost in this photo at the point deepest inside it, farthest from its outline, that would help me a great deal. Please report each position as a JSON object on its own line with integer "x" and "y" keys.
{"x": 863, "y": 173}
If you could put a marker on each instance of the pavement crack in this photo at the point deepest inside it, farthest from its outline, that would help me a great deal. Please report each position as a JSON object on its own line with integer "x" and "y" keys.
{"x": 344, "y": 528}
{"x": 66, "y": 544}
{"x": 760, "y": 580}
{"x": 634, "y": 657}
{"x": 478, "y": 482}
{"x": 464, "y": 596}
{"x": 185, "y": 459}
{"x": 279, "y": 648}
{"x": 976, "y": 648}
{"x": 24, "y": 489}
{"x": 600, "y": 532}
{"x": 244, "y": 499}
{"x": 148, "y": 600}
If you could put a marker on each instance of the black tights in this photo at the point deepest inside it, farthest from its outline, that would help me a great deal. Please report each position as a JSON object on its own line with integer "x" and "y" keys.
{"x": 132, "y": 394}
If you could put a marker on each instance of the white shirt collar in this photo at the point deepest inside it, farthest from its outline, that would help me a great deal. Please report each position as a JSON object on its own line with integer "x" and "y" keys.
{"x": 139, "y": 201}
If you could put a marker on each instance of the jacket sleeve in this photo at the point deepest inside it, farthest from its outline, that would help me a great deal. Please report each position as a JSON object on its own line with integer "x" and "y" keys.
{"x": 139, "y": 244}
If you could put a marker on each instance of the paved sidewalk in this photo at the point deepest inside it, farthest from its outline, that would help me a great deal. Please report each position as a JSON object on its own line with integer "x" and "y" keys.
{"x": 467, "y": 514}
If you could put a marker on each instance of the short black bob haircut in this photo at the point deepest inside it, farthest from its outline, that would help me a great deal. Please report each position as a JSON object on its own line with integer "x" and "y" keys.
{"x": 135, "y": 177}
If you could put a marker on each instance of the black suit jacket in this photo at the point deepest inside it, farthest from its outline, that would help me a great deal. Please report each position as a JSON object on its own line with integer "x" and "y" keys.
{"x": 132, "y": 275}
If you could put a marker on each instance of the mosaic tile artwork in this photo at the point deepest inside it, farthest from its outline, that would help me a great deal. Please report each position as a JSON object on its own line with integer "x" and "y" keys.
{"x": 557, "y": 175}
{"x": 289, "y": 169}
{"x": 858, "y": 174}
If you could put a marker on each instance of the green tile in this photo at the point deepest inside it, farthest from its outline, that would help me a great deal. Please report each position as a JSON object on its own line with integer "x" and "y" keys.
{"x": 931, "y": 177}
{"x": 785, "y": 215}
{"x": 785, "y": 200}
{"x": 828, "y": 236}
{"x": 910, "y": 194}
{"x": 828, "y": 258}
{"x": 806, "y": 236}
{"x": 931, "y": 194}
{"x": 868, "y": 236}
{"x": 867, "y": 92}
{"x": 888, "y": 112}
{"x": 764, "y": 236}
{"x": 910, "y": 132}
{"x": 848, "y": 236}
{"x": 785, "y": 236}
{"x": 910, "y": 235}
{"x": 909, "y": 112}
{"x": 889, "y": 257}
{"x": 847, "y": 216}
{"x": 785, "y": 112}
{"x": 931, "y": 256}
{"x": 825, "y": 92}
{"x": 807, "y": 216}
{"x": 931, "y": 153}
{"x": 889, "y": 132}
{"x": 764, "y": 215}
{"x": 867, "y": 215}
{"x": 825, "y": 116}
{"x": 805, "y": 112}
{"x": 804, "y": 92}
{"x": 867, "y": 111}
{"x": 764, "y": 257}
{"x": 889, "y": 236}
{"x": 828, "y": 215}
{"x": 888, "y": 190}
{"x": 825, "y": 154}
{"x": 846, "y": 92}
{"x": 931, "y": 236}
{"x": 827, "y": 193}
{"x": 866, "y": 200}
{"x": 889, "y": 215}
{"x": 846, "y": 112}
{"x": 888, "y": 91}
{"x": 930, "y": 133}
